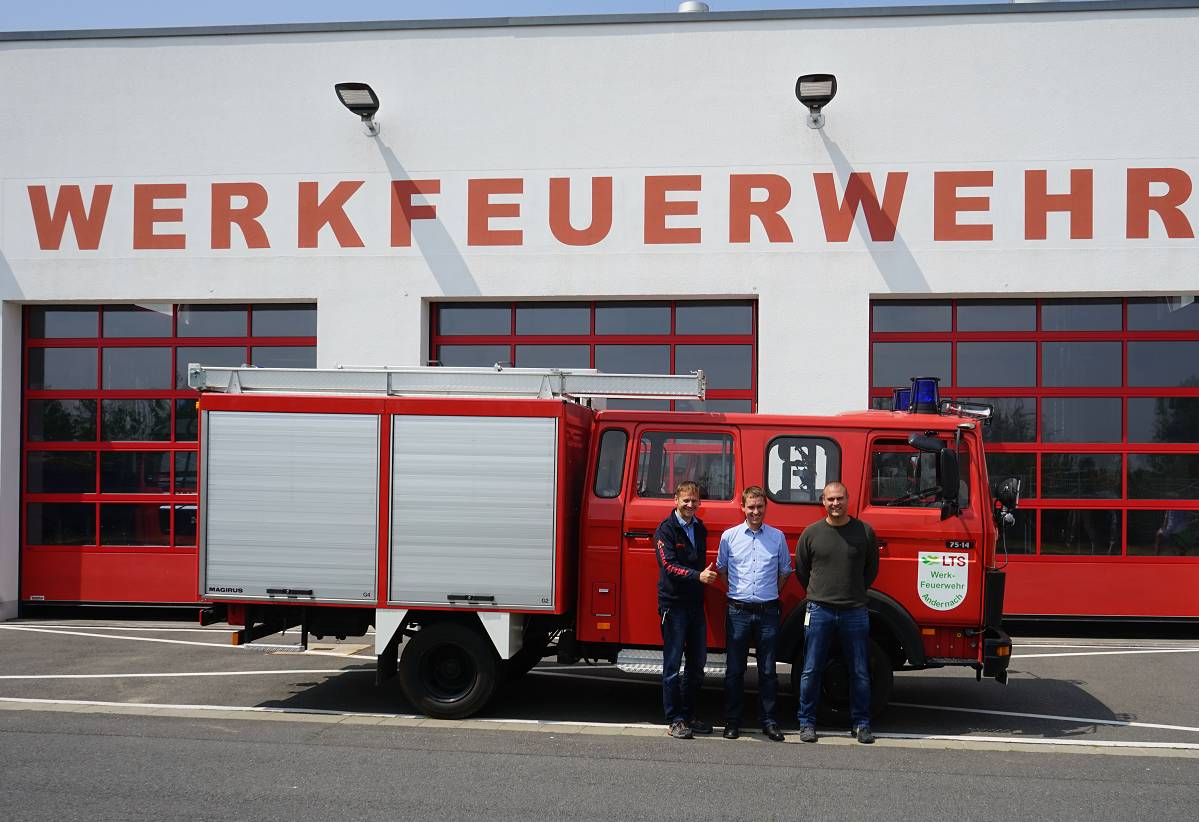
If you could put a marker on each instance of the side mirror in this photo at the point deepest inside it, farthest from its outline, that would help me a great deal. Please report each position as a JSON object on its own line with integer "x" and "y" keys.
{"x": 1007, "y": 492}
{"x": 949, "y": 475}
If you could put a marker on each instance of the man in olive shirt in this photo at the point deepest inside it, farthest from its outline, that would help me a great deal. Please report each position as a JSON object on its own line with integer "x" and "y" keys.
{"x": 836, "y": 560}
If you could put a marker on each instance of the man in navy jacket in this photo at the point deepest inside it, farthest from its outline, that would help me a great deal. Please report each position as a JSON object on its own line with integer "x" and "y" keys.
{"x": 681, "y": 546}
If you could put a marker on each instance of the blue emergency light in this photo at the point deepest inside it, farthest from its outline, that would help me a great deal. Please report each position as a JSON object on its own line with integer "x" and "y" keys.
{"x": 901, "y": 399}
{"x": 925, "y": 398}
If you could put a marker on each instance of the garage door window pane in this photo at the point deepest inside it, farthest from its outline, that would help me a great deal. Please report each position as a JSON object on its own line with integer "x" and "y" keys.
{"x": 637, "y": 318}
{"x": 63, "y": 322}
{"x": 481, "y": 356}
{"x": 62, "y": 420}
{"x": 137, "y": 321}
{"x": 284, "y": 320}
{"x": 725, "y": 366}
{"x": 186, "y": 420}
{"x": 1163, "y": 314}
{"x": 921, "y": 316}
{"x": 1087, "y": 532}
{"x": 1020, "y": 466}
{"x": 1169, "y": 363}
{"x": 60, "y": 472}
{"x": 283, "y": 356}
{"x": 1081, "y": 315}
{"x": 714, "y": 406}
{"x": 1080, "y": 363}
{"x": 553, "y": 319}
{"x": 55, "y": 369}
{"x": 135, "y": 472}
{"x": 205, "y": 355}
{"x": 714, "y": 318}
{"x": 1014, "y": 418}
{"x": 633, "y": 359}
{"x": 1021, "y": 536}
{"x": 553, "y": 356}
{"x": 1080, "y": 419}
{"x": 1163, "y": 476}
{"x": 896, "y": 363}
{"x": 1080, "y": 476}
{"x": 135, "y": 524}
{"x": 135, "y": 420}
{"x": 477, "y": 320}
{"x": 137, "y": 368}
{"x": 997, "y": 315}
{"x": 60, "y": 523}
{"x": 1168, "y": 533}
{"x": 997, "y": 363}
{"x": 1163, "y": 419}
{"x": 212, "y": 321}
{"x": 185, "y": 472}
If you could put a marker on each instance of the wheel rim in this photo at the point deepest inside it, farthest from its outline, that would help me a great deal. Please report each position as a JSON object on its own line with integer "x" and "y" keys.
{"x": 448, "y": 673}
{"x": 834, "y": 685}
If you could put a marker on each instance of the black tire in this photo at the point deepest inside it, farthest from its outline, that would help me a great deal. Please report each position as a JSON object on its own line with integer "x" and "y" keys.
{"x": 448, "y": 670}
{"x": 833, "y": 707}
{"x": 531, "y": 652}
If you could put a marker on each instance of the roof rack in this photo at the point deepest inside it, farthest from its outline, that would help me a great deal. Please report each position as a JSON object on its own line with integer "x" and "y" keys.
{"x": 424, "y": 381}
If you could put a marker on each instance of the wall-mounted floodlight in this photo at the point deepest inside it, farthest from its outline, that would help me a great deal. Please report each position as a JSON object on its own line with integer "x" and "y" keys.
{"x": 362, "y": 100}
{"x": 816, "y": 91}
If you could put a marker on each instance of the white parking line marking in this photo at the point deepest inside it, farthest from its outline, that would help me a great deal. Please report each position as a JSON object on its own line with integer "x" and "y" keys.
{"x": 517, "y": 724}
{"x": 191, "y": 673}
{"x": 1088, "y": 720}
{"x": 110, "y": 636}
{"x": 1110, "y": 653}
{"x": 250, "y": 647}
{"x": 123, "y": 628}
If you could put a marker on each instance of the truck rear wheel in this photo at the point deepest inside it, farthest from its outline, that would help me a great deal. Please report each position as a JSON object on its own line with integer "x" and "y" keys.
{"x": 833, "y": 707}
{"x": 448, "y": 670}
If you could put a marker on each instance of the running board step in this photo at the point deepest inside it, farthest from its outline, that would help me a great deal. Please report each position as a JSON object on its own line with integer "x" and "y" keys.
{"x": 650, "y": 662}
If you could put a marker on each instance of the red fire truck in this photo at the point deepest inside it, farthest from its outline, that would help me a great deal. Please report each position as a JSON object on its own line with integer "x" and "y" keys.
{"x": 481, "y": 519}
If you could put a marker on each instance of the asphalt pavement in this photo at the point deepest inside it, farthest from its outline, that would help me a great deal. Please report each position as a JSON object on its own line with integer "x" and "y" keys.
{"x": 141, "y": 720}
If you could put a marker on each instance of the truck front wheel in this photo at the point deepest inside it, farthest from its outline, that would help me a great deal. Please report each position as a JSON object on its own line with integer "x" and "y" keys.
{"x": 833, "y": 707}
{"x": 448, "y": 670}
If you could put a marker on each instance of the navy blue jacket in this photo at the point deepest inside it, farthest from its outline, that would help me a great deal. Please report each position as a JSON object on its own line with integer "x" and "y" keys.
{"x": 679, "y": 563}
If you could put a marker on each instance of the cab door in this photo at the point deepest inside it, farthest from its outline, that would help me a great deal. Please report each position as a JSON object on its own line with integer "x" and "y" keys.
{"x": 929, "y": 565}
{"x": 665, "y": 456}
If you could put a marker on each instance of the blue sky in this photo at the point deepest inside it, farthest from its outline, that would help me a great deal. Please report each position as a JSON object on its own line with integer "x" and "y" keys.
{"x": 47, "y": 15}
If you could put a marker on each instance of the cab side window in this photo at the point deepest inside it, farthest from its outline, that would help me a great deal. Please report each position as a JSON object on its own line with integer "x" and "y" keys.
{"x": 904, "y": 477}
{"x": 609, "y": 465}
{"x": 664, "y": 459}
{"x": 798, "y": 468}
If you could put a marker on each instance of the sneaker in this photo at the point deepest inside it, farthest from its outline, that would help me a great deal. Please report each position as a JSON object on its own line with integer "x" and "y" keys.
{"x": 679, "y": 730}
{"x": 864, "y": 734}
{"x": 698, "y": 726}
{"x": 807, "y": 733}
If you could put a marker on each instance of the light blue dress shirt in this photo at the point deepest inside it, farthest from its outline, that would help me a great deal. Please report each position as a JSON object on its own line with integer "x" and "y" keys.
{"x": 754, "y": 561}
{"x": 688, "y": 527}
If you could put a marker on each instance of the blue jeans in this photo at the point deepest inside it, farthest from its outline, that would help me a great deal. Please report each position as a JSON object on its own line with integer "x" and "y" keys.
{"x": 684, "y": 632}
{"x": 762, "y": 626}
{"x": 852, "y": 627}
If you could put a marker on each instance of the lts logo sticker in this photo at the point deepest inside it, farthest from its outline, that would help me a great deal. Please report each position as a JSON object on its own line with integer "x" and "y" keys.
{"x": 941, "y": 579}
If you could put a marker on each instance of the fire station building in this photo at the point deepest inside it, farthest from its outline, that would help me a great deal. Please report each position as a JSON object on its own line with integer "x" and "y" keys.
{"x": 1000, "y": 196}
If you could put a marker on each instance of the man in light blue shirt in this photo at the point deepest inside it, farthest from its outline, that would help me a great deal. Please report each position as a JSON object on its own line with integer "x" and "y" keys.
{"x": 755, "y": 562}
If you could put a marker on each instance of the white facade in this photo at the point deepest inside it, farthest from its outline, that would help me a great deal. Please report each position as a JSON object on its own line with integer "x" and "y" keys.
{"x": 1098, "y": 87}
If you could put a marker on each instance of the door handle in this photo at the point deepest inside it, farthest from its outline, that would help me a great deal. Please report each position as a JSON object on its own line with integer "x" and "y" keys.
{"x": 638, "y": 534}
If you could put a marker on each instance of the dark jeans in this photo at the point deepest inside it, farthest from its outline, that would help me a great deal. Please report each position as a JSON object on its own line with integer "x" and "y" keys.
{"x": 852, "y": 627}
{"x": 684, "y": 632}
{"x": 742, "y": 625}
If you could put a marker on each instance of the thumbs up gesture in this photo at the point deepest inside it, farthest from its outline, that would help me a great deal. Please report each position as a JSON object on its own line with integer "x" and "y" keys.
{"x": 708, "y": 575}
